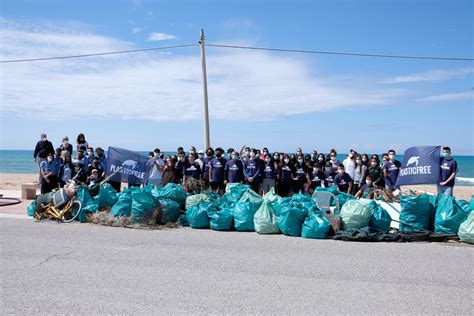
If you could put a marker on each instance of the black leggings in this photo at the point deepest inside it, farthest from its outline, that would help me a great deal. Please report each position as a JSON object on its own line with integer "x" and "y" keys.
{"x": 284, "y": 188}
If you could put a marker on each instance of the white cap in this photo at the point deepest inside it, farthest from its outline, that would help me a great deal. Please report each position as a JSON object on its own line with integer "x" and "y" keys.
{"x": 201, "y": 151}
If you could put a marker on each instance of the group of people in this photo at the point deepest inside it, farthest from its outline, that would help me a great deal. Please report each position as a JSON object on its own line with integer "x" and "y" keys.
{"x": 358, "y": 174}
{"x": 58, "y": 166}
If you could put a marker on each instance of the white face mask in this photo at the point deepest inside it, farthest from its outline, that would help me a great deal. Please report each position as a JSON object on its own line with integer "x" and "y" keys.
{"x": 50, "y": 159}
{"x": 252, "y": 154}
{"x": 333, "y": 158}
{"x": 43, "y": 138}
{"x": 268, "y": 159}
{"x": 351, "y": 155}
{"x": 65, "y": 143}
{"x": 286, "y": 160}
{"x": 369, "y": 182}
{"x": 300, "y": 160}
{"x": 320, "y": 159}
{"x": 391, "y": 156}
{"x": 359, "y": 162}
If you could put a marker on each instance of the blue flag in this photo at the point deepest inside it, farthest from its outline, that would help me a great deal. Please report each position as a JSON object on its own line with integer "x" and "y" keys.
{"x": 133, "y": 165}
{"x": 421, "y": 165}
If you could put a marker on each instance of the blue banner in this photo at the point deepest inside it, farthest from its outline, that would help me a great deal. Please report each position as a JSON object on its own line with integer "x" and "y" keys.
{"x": 133, "y": 165}
{"x": 421, "y": 165}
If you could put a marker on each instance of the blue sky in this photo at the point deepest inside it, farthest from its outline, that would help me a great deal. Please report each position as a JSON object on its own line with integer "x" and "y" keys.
{"x": 280, "y": 100}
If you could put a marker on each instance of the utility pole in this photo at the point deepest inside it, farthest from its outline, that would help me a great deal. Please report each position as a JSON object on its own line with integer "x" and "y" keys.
{"x": 207, "y": 138}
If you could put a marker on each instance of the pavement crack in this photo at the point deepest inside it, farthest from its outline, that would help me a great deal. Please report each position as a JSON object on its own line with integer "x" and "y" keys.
{"x": 59, "y": 256}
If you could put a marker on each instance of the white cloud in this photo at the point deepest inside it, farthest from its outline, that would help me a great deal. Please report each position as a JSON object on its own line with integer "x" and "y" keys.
{"x": 459, "y": 96}
{"x": 433, "y": 75}
{"x": 154, "y": 37}
{"x": 137, "y": 29}
{"x": 243, "y": 85}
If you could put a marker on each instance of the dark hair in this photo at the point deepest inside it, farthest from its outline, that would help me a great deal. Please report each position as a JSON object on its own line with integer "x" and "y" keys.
{"x": 79, "y": 137}
{"x": 230, "y": 150}
{"x": 447, "y": 148}
{"x": 368, "y": 176}
{"x": 151, "y": 153}
{"x": 180, "y": 149}
{"x": 220, "y": 149}
{"x": 391, "y": 151}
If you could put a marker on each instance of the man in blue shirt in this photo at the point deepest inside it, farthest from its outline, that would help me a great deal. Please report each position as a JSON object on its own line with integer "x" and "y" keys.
{"x": 390, "y": 171}
{"x": 234, "y": 169}
{"x": 343, "y": 180}
{"x": 205, "y": 163}
{"x": 252, "y": 171}
{"x": 216, "y": 171}
{"x": 449, "y": 168}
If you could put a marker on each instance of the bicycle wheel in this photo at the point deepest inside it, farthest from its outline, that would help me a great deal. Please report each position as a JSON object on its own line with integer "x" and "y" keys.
{"x": 73, "y": 212}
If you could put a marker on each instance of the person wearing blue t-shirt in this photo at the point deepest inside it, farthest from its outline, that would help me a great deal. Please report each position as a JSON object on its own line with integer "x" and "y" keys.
{"x": 216, "y": 171}
{"x": 285, "y": 177}
{"x": 234, "y": 169}
{"x": 449, "y": 169}
{"x": 316, "y": 177}
{"x": 269, "y": 173}
{"x": 205, "y": 162}
{"x": 343, "y": 180}
{"x": 252, "y": 171}
{"x": 48, "y": 179}
{"x": 329, "y": 175}
{"x": 191, "y": 168}
{"x": 390, "y": 171}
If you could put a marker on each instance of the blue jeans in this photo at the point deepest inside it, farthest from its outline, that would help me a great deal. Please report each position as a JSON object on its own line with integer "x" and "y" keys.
{"x": 445, "y": 190}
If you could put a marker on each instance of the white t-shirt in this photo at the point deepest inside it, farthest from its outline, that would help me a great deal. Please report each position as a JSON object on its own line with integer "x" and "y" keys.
{"x": 156, "y": 174}
{"x": 349, "y": 167}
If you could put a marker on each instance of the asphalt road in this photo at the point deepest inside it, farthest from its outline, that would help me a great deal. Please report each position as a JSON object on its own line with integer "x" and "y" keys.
{"x": 49, "y": 268}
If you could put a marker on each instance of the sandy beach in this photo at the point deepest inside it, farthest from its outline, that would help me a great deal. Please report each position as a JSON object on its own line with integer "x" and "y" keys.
{"x": 13, "y": 181}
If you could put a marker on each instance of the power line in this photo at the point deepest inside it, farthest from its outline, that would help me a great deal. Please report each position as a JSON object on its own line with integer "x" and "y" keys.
{"x": 341, "y": 53}
{"x": 96, "y": 54}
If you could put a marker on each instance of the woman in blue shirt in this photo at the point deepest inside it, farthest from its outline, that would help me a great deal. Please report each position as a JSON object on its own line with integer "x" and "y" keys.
{"x": 48, "y": 180}
{"x": 285, "y": 178}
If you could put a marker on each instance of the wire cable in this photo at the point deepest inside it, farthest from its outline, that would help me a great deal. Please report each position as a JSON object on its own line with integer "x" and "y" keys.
{"x": 96, "y": 54}
{"x": 341, "y": 53}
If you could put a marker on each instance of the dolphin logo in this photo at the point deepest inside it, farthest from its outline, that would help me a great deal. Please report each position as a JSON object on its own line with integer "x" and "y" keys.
{"x": 131, "y": 164}
{"x": 413, "y": 160}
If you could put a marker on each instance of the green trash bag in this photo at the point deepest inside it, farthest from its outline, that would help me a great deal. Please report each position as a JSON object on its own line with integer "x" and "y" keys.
{"x": 240, "y": 186}
{"x": 174, "y": 192}
{"x": 183, "y": 221}
{"x": 380, "y": 219}
{"x": 291, "y": 219}
{"x": 416, "y": 212}
{"x": 271, "y": 196}
{"x": 265, "y": 220}
{"x": 356, "y": 213}
{"x": 123, "y": 207}
{"x": 234, "y": 194}
{"x": 89, "y": 205}
{"x": 471, "y": 204}
{"x": 315, "y": 226}
{"x": 30, "y": 210}
{"x": 171, "y": 210}
{"x": 143, "y": 207}
{"x": 197, "y": 216}
{"x": 449, "y": 215}
{"x": 252, "y": 197}
{"x": 243, "y": 216}
{"x": 220, "y": 218}
{"x": 466, "y": 229}
{"x": 196, "y": 199}
{"x": 107, "y": 196}
{"x": 344, "y": 197}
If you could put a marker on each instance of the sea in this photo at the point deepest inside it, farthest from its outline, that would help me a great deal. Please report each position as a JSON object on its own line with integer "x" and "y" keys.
{"x": 21, "y": 161}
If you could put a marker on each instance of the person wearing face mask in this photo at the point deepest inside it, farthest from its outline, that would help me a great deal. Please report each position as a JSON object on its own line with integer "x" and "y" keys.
{"x": 43, "y": 148}
{"x": 78, "y": 172}
{"x": 269, "y": 174}
{"x": 180, "y": 165}
{"x": 376, "y": 173}
{"x": 229, "y": 153}
{"x": 234, "y": 169}
{"x": 95, "y": 165}
{"x": 81, "y": 158}
{"x": 48, "y": 179}
{"x": 343, "y": 180}
{"x": 314, "y": 157}
{"x": 299, "y": 151}
{"x": 321, "y": 160}
{"x": 265, "y": 152}
{"x": 216, "y": 171}
{"x": 206, "y": 160}
{"x": 349, "y": 163}
{"x": 299, "y": 175}
{"x": 335, "y": 163}
{"x": 329, "y": 175}
{"x": 360, "y": 172}
{"x": 65, "y": 171}
{"x": 316, "y": 177}
{"x": 57, "y": 162}
{"x": 449, "y": 168}
{"x": 252, "y": 171}
{"x": 155, "y": 167}
{"x": 390, "y": 171}
{"x": 66, "y": 146}
{"x": 285, "y": 178}
{"x": 365, "y": 160}
{"x": 200, "y": 158}
{"x": 367, "y": 190}
{"x": 192, "y": 169}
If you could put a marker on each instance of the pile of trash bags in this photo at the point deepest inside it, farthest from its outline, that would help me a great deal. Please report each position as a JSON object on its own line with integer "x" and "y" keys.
{"x": 241, "y": 209}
